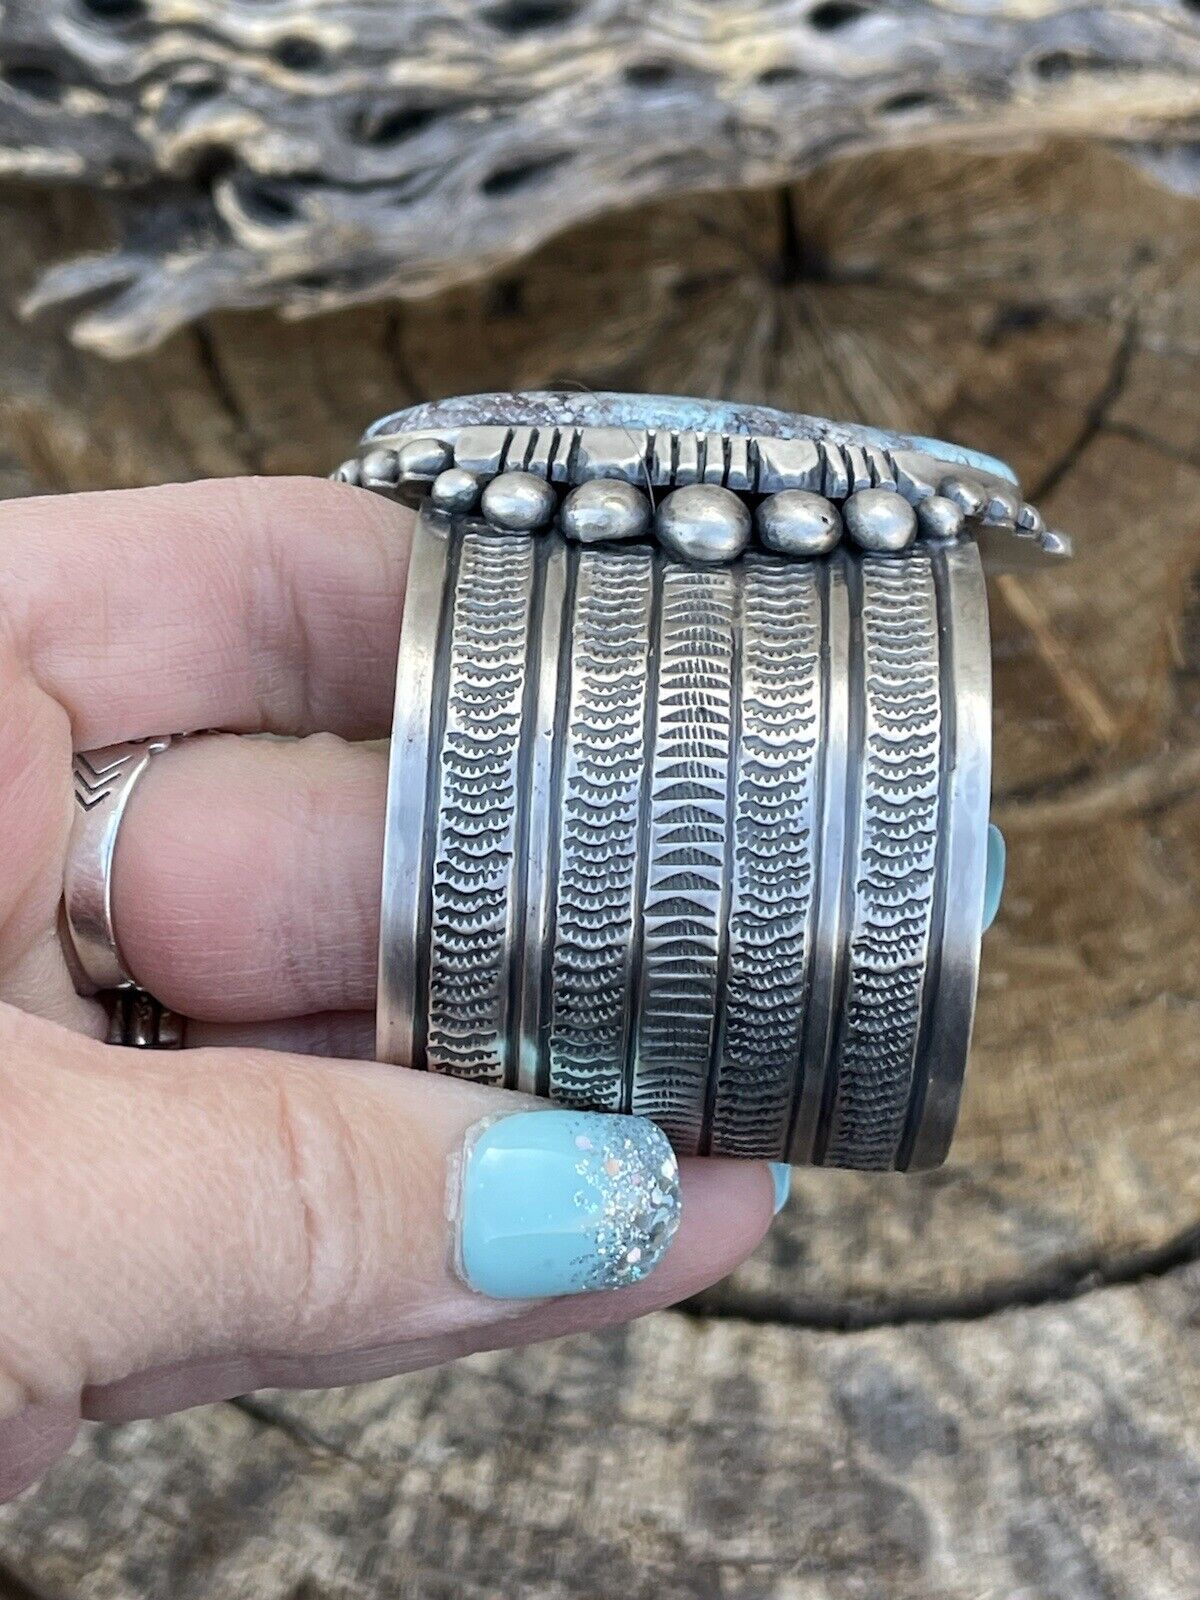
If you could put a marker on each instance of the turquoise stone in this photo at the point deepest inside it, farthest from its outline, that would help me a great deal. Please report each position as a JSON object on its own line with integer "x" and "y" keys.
{"x": 969, "y": 458}
{"x": 997, "y": 853}
{"x": 536, "y": 408}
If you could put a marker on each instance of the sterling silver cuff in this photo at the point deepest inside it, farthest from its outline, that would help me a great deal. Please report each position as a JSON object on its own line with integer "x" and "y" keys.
{"x": 689, "y": 787}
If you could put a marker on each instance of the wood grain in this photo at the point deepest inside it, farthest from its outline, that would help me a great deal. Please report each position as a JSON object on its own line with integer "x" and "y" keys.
{"x": 1047, "y": 1452}
{"x": 977, "y": 1382}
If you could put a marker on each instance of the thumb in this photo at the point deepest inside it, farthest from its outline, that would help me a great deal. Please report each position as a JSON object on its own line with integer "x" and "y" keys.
{"x": 182, "y": 1226}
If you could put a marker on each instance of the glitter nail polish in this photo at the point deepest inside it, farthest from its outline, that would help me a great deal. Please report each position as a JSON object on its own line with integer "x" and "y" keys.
{"x": 563, "y": 1202}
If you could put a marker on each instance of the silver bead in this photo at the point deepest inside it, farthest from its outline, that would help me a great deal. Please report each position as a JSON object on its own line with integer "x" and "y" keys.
{"x": 423, "y": 459}
{"x": 940, "y": 518}
{"x": 703, "y": 522}
{"x": 967, "y": 495}
{"x": 379, "y": 469}
{"x": 796, "y": 522}
{"x": 1030, "y": 519}
{"x": 1003, "y": 507}
{"x": 877, "y": 519}
{"x": 349, "y": 472}
{"x": 518, "y": 502}
{"x": 455, "y": 490}
{"x": 603, "y": 509}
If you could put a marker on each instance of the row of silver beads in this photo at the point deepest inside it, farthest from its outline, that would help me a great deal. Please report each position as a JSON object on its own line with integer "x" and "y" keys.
{"x": 701, "y": 522}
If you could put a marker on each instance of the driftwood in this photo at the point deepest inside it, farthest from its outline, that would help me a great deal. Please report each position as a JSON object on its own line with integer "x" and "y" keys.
{"x": 982, "y": 1382}
{"x": 311, "y": 153}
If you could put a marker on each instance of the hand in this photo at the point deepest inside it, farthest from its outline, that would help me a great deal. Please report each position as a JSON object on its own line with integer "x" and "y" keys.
{"x": 256, "y": 1209}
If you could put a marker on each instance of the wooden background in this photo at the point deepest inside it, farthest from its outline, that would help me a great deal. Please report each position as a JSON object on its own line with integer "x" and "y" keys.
{"x": 980, "y": 1382}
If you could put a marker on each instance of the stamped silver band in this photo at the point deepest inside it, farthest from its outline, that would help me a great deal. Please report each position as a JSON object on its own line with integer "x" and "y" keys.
{"x": 138, "y": 1021}
{"x": 104, "y": 780}
{"x": 700, "y": 838}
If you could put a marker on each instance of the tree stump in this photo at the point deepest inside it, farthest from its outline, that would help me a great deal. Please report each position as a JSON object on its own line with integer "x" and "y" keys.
{"x": 981, "y": 1381}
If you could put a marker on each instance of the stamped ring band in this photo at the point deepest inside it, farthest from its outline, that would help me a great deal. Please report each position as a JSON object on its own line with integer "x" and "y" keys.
{"x": 104, "y": 780}
{"x": 690, "y": 772}
{"x": 140, "y": 1022}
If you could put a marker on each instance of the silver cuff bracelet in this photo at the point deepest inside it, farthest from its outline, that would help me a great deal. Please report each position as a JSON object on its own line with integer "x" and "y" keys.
{"x": 689, "y": 787}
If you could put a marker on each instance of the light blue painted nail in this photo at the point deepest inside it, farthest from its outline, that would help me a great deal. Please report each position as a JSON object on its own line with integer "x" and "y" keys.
{"x": 560, "y": 1202}
{"x": 997, "y": 854}
{"x": 781, "y": 1177}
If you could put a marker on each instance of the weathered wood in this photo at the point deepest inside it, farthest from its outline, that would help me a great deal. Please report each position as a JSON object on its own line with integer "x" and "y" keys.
{"x": 1041, "y": 307}
{"x": 1048, "y": 1453}
{"x": 326, "y": 152}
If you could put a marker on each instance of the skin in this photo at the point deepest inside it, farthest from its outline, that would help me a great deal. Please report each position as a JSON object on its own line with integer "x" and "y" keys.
{"x": 264, "y": 1208}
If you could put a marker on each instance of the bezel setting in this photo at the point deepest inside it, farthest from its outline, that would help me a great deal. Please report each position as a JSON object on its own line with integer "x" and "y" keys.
{"x": 660, "y": 444}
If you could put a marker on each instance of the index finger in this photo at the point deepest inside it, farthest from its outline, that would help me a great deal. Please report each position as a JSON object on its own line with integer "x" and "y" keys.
{"x": 248, "y": 604}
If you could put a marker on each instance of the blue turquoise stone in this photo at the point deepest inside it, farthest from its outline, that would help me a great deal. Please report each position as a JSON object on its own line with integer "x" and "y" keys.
{"x": 945, "y": 451}
{"x": 545, "y": 408}
{"x": 997, "y": 853}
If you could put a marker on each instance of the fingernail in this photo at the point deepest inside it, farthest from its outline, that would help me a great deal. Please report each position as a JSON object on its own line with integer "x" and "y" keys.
{"x": 781, "y": 1177}
{"x": 562, "y": 1202}
{"x": 993, "y": 893}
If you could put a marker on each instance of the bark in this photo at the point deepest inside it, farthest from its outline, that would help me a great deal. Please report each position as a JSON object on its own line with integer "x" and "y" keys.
{"x": 320, "y": 152}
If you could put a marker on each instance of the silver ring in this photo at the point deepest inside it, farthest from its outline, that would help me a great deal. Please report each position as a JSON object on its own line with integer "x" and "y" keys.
{"x": 690, "y": 770}
{"x": 140, "y": 1022}
{"x": 104, "y": 780}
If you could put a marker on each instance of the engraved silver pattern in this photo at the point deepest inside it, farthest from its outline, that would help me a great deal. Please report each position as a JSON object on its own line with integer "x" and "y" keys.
{"x": 138, "y": 1021}
{"x": 598, "y": 844}
{"x": 893, "y": 899}
{"x": 683, "y": 913}
{"x": 770, "y": 915}
{"x": 104, "y": 781}
{"x": 567, "y": 440}
{"x": 476, "y": 814}
{"x": 701, "y": 843}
